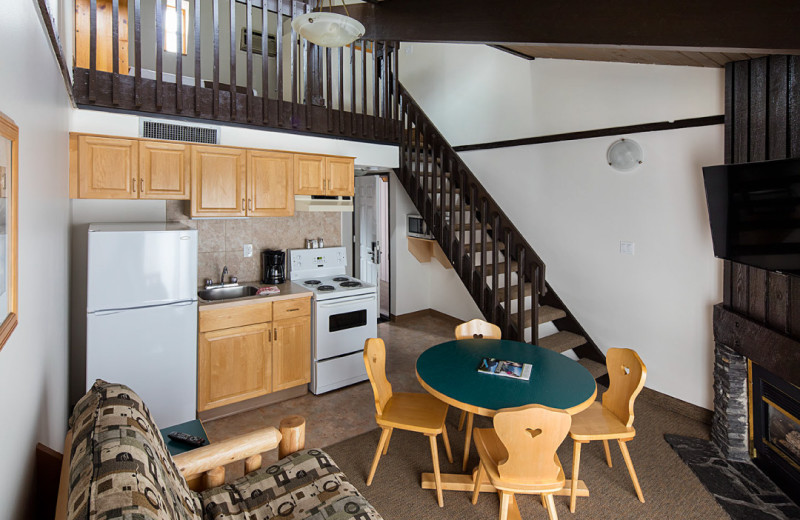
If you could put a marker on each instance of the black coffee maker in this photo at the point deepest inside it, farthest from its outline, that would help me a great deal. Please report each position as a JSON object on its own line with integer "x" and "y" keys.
{"x": 272, "y": 266}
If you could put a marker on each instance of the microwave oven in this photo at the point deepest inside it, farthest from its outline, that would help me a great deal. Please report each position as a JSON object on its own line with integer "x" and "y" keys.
{"x": 417, "y": 227}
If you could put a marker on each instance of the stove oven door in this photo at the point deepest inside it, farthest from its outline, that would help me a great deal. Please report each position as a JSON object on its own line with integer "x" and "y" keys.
{"x": 342, "y": 325}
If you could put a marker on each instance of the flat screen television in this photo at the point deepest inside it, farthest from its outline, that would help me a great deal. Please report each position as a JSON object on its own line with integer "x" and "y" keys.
{"x": 754, "y": 210}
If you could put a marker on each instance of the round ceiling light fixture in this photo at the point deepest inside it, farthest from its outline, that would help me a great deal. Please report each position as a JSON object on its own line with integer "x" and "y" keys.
{"x": 328, "y": 29}
{"x": 624, "y": 155}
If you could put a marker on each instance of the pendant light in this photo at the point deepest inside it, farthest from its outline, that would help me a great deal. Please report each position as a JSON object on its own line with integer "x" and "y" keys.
{"x": 328, "y": 29}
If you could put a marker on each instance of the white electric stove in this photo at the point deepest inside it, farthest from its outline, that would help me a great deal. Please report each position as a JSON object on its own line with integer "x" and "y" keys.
{"x": 344, "y": 317}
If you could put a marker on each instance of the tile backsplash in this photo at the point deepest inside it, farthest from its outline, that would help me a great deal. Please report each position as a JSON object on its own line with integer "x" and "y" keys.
{"x": 221, "y": 241}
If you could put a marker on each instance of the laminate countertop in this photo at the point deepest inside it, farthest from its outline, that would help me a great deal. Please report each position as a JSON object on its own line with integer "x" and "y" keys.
{"x": 288, "y": 290}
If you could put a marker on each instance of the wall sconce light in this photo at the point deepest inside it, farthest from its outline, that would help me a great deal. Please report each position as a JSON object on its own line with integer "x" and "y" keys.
{"x": 624, "y": 155}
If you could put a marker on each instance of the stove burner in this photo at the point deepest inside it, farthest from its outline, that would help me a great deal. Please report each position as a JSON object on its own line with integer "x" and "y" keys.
{"x": 326, "y": 288}
{"x": 312, "y": 282}
{"x": 350, "y": 284}
{"x": 341, "y": 279}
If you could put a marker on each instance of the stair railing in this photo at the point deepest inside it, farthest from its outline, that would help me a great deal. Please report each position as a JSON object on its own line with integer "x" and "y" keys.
{"x": 456, "y": 207}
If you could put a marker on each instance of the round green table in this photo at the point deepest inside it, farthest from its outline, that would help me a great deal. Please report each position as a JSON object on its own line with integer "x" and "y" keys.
{"x": 449, "y": 372}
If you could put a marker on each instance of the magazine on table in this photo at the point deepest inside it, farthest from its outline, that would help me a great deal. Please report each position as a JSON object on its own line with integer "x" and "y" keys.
{"x": 500, "y": 367}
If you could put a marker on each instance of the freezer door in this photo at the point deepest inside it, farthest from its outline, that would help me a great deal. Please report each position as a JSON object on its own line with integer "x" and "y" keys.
{"x": 152, "y": 350}
{"x": 141, "y": 268}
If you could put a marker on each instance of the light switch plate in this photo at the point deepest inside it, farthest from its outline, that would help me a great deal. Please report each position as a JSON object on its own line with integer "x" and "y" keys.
{"x": 248, "y": 250}
{"x": 626, "y": 248}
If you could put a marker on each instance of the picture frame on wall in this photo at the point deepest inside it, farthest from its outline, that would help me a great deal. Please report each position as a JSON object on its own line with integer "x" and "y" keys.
{"x": 9, "y": 174}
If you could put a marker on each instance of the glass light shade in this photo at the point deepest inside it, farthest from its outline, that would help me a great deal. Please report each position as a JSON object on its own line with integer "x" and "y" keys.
{"x": 328, "y": 29}
{"x": 624, "y": 155}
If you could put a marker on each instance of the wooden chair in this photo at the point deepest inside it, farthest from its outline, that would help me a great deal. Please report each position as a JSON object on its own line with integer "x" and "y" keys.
{"x": 519, "y": 455}
{"x": 421, "y": 413}
{"x": 474, "y": 329}
{"x": 613, "y": 419}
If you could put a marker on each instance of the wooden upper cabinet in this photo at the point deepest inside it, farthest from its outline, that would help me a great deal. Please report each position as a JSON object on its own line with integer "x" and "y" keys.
{"x": 270, "y": 184}
{"x": 341, "y": 176}
{"x": 164, "y": 170}
{"x": 218, "y": 182}
{"x": 309, "y": 174}
{"x": 107, "y": 168}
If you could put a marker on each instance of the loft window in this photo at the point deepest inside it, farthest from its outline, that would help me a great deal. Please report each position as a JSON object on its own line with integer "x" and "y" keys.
{"x": 171, "y": 25}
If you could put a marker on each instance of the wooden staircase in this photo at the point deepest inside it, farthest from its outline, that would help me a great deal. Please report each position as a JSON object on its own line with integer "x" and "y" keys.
{"x": 502, "y": 272}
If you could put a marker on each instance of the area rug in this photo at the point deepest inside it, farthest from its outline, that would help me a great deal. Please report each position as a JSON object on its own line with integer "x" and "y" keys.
{"x": 739, "y": 487}
{"x": 670, "y": 488}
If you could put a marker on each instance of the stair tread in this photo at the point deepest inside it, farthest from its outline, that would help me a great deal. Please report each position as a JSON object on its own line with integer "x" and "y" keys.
{"x": 546, "y": 314}
{"x": 501, "y": 292}
{"x": 501, "y": 267}
{"x": 469, "y": 225}
{"x": 562, "y": 341}
{"x": 594, "y": 368}
{"x": 489, "y": 246}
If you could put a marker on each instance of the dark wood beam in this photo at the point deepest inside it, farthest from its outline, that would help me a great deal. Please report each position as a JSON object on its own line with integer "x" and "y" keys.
{"x": 601, "y": 132}
{"x": 512, "y": 52}
{"x": 743, "y": 25}
{"x": 776, "y": 352}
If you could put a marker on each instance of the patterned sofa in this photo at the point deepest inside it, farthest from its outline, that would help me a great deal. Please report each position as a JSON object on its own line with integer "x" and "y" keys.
{"x": 117, "y": 466}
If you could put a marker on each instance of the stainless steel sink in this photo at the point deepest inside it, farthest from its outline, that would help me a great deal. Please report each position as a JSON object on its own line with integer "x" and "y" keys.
{"x": 227, "y": 293}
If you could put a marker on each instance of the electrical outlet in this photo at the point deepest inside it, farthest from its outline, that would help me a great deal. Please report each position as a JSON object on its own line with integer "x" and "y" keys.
{"x": 626, "y": 248}
{"x": 248, "y": 250}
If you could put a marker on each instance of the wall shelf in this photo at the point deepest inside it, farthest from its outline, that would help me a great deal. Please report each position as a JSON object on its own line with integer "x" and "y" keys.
{"x": 425, "y": 249}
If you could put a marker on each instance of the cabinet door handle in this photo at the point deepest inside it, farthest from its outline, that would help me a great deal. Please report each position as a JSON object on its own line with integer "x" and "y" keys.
{"x": 133, "y": 185}
{"x": 270, "y": 335}
{"x": 242, "y": 204}
{"x": 250, "y": 204}
{"x": 276, "y": 335}
{"x": 141, "y": 185}
{"x": 292, "y": 310}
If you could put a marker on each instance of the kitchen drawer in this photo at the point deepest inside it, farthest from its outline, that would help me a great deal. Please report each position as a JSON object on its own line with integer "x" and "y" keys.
{"x": 291, "y": 308}
{"x": 238, "y": 316}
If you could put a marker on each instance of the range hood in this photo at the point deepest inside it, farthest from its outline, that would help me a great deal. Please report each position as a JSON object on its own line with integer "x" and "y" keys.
{"x": 322, "y": 203}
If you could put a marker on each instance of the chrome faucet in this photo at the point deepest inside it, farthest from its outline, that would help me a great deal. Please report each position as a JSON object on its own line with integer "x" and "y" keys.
{"x": 222, "y": 276}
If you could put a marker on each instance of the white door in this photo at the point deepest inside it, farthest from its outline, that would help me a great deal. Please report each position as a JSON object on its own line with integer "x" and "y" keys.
{"x": 366, "y": 227}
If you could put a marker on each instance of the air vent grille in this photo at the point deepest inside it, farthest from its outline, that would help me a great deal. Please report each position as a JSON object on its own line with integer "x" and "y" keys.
{"x": 174, "y": 132}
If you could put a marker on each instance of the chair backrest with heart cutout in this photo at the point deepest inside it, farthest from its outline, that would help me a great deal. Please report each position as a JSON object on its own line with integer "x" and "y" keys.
{"x": 627, "y": 375}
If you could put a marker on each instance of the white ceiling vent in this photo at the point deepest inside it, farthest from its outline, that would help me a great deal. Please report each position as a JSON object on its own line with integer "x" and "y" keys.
{"x": 155, "y": 129}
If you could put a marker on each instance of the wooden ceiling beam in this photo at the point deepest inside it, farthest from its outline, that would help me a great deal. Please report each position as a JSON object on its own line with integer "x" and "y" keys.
{"x": 742, "y": 25}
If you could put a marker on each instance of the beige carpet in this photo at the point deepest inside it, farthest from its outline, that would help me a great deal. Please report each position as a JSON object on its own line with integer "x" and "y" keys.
{"x": 670, "y": 488}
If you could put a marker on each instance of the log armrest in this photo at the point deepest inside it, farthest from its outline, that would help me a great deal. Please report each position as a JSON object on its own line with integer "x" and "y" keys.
{"x": 241, "y": 447}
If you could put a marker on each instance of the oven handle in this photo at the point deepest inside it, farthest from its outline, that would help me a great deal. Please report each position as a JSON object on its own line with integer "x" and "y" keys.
{"x": 348, "y": 302}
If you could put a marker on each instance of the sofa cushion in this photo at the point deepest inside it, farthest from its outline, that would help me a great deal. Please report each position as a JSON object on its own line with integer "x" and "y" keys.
{"x": 119, "y": 465}
{"x": 306, "y": 484}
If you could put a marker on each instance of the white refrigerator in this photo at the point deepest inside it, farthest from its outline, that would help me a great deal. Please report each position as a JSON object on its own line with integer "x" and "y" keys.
{"x": 141, "y": 315}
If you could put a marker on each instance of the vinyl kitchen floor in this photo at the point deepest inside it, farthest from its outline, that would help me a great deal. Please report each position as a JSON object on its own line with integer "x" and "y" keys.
{"x": 350, "y": 411}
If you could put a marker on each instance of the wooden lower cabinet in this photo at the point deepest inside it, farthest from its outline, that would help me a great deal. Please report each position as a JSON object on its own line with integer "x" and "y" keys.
{"x": 233, "y": 365}
{"x": 253, "y": 350}
{"x": 291, "y": 356}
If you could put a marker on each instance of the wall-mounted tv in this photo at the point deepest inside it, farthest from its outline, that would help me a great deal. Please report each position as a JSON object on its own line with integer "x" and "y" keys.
{"x": 754, "y": 210}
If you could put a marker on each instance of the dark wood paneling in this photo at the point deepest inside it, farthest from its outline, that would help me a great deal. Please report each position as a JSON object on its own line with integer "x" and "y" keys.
{"x": 778, "y": 302}
{"x": 777, "y": 107}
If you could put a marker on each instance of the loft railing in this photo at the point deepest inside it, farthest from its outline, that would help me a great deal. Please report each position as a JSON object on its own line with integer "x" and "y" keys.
{"x": 213, "y": 59}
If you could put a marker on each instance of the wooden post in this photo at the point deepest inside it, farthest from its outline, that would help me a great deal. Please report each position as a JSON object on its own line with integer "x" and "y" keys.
{"x": 293, "y": 435}
{"x": 214, "y": 477}
{"x": 252, "y": 463}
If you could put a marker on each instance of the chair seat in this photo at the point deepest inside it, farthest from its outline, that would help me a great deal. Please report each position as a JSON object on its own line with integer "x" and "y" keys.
{"x": 421, "y": 413}
{"x": 492, "y": 452}
{"x": 598, "y": 423}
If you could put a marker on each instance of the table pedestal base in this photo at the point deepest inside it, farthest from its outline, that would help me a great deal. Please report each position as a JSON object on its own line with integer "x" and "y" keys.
{"x": 466, "y": 482}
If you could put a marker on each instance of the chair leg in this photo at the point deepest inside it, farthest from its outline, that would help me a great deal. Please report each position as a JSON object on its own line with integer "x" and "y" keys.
{"x": 551, "y": 507}
{"x": 384, "y": 437}
{"x": 388, "y": 438}
{"x": 436, "y": 474}
{"x": 627, "y": 456}
{"x": 544, "y": 501}
{"x": 608, "y": 453}
{"x": 576, "y": 461}
{"x": 478, "y": 480}
{"x": 446, "y": 441}
{"x": 461, "y": 419}
{"x": 505, "y": 500}
{"x": 470, "y": 418}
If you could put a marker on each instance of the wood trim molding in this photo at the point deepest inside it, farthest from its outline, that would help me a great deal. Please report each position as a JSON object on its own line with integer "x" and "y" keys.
{"x": 10, "y": 131}
{"x": 775, "y": 352}
{"x": 602, "y": 132}
{"x": 510, "y": 51}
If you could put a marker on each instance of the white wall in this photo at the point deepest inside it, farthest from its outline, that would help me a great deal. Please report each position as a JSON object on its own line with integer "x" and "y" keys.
{"x": 476, "y": 94}
{"x": 575, "y": 210}
{"x": 33, "y": 374}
